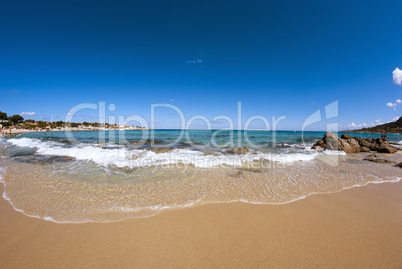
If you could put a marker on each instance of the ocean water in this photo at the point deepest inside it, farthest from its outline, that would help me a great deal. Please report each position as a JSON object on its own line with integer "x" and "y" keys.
{"x": 113, "y": 175}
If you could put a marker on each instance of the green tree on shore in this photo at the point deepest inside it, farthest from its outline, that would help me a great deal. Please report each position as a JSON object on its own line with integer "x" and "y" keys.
{"x": 3, "y": 116}
{"x": 16, "y": 119}
{"x": 41, "y": 124}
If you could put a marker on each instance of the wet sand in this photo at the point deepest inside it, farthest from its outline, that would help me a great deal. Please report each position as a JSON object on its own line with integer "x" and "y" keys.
{"x": 359, "y": 227}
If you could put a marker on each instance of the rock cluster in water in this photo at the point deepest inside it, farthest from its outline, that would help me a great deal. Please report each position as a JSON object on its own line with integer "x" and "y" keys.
{"x": 349, "y": 144}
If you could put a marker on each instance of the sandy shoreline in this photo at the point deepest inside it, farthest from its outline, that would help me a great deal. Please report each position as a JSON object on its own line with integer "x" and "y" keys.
{"x": 359, "y": 227}
{"x": 24, "y": 131}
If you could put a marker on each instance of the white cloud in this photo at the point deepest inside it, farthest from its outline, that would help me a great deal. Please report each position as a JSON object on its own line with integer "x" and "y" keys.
{"x": 390, "y": 104}
{"x": 355, "y": 126}
{"x": 397, "y": 76}
{"x": 398, "y": 102}
{"x": 365, "y": 125}
{"x": 29, "y": 114}
{"x": 395, "y": 119}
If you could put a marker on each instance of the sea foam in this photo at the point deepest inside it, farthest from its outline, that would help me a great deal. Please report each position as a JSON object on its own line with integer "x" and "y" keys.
{"x": 125, "y": 157}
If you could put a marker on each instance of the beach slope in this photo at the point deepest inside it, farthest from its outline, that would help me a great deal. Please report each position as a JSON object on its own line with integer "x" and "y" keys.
{"x": 359, "y": 227}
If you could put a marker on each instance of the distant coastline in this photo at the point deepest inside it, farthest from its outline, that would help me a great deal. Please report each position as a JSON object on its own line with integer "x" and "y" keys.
{"x": 387, "y": 128}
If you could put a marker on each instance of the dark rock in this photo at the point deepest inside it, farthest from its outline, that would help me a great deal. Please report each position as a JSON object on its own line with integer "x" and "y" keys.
{"x": 399, "y": 165}
{"x": 386, "y": 148}
{"x": 319, "y": 144}
{"x": 378, "y": 160}
{"x": 383, "y": 143}
{"x": 374, "y": 147}
{"x": 346, "y": 136}
{"x": 364, "y": 143}
{"x": 364, "y": 149}
{"x": 375, "y": 144}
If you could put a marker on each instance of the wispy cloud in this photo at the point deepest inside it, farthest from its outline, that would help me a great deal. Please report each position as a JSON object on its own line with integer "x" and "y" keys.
{"x": 15, "y": 91}
{"x": 352, "y": 125}
{"x": 29, "y": 114}
{"x": 363, "y": 125}
{"x": 397, "y": 76}
{"x": 197, "y": 61}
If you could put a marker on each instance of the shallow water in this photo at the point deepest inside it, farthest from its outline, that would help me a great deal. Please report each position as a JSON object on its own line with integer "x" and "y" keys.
{"x": 78, "y": 181}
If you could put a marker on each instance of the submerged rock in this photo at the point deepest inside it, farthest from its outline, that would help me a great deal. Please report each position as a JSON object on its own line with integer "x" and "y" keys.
{"x": 134, "y": 143}
{"x": 242, "y": 150}
{"x": 252, "y": 170}
{"x": 161, "y": 150}
{"x": 378, "y": 160}
{"x": 44, "y": 159}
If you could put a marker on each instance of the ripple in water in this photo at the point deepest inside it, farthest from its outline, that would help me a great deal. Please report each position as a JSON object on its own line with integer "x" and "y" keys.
{"x": 51, "y": 192}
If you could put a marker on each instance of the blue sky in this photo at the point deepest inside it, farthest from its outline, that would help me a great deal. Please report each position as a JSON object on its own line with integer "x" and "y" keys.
{"x": 277, "y": 58}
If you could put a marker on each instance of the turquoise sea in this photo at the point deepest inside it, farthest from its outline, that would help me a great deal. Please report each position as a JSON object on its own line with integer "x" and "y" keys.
{"x": 112, "y": 175}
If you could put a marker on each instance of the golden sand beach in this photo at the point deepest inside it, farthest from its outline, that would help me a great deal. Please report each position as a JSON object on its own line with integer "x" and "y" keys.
{"x": 355, "y": 228}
